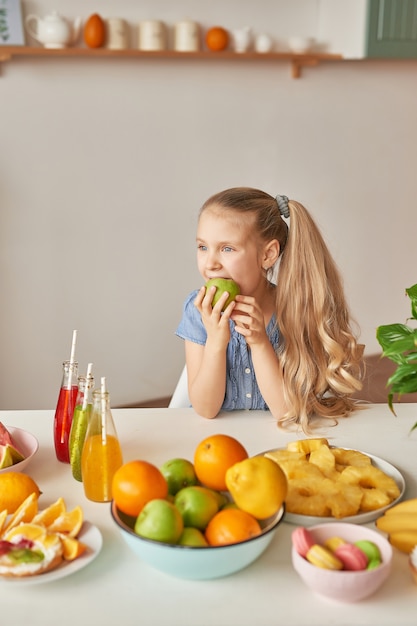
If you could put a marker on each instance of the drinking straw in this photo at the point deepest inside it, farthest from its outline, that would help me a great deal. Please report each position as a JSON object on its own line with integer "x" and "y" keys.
{"x": 69, "y": 386}
{"x": 85, "y": 399}
{"x": 74, "y": 342}
{"x": 72, "y": 357}
{"x": 103, "y": 409}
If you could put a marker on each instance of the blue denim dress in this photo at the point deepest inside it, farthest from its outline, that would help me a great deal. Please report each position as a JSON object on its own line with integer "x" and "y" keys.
{"x": 242, "y": 391}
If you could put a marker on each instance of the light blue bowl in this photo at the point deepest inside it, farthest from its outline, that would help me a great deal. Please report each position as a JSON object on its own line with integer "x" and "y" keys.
{"x": 197, "y": 563}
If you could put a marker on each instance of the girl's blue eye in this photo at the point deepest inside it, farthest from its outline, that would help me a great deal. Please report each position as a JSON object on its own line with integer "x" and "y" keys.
{"x": 227, "y": 249}
{"x": 201, "y": 247}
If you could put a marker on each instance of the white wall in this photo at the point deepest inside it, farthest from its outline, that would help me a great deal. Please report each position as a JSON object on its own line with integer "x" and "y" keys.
{"x": 105, "y": 163}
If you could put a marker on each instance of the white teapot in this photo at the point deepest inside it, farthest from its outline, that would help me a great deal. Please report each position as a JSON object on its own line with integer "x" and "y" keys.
{"x": 53, "y": 31}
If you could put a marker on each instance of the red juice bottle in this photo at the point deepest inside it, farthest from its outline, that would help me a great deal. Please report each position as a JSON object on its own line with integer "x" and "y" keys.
{"x": 65, "y": 410}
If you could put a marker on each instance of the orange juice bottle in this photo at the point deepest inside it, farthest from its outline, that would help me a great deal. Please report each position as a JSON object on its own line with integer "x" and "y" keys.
{"x": 102, "y": 454}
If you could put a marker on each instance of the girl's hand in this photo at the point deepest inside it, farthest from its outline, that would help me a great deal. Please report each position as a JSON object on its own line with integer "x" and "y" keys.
{"x": 215, "y": 322}
{"x": 249, "y": 320}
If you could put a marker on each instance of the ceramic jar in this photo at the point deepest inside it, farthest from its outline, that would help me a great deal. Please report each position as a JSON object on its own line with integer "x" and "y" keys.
{"x": 187, "y": 37}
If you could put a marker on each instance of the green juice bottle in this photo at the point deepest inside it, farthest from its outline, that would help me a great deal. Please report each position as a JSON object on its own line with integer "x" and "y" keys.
{"x": 80, "y": 421}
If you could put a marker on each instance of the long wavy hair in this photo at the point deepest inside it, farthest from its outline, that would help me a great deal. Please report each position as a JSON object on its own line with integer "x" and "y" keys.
{"x": 321, "y": 359}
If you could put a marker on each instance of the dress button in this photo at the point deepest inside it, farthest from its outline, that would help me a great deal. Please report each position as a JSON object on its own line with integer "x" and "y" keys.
{"x": 247, "y": 370}
{"x": 249, "y": 395}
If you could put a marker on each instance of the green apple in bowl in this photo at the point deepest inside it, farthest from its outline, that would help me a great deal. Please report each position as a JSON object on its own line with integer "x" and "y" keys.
{"x": 222, "y": 285}
{"x": 159, "y": 520}
{"x": 178, "y": 473}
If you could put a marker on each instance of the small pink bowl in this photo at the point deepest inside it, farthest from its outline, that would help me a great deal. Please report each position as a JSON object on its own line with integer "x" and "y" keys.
{"x": 412, "y": 560}
{"x": 28, "y": 446}
{"x": 344, "y": 586}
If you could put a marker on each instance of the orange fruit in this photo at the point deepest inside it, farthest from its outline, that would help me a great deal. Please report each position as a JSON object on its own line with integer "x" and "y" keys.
{"x": 3, "y": 515}
{"x": 213, "y": 457}
{"x": 231, "y": 526}
{"x": 49, "y": 515}
{"x": 94, "y": 31}
{"x": 24, "y": 513}
{"x": 69, "y": 522}
{"x": 73, "y": 548}
{"x": 136, "y": 483}
{"x": 217, "y": 39}
{"x": 15, "y": 487}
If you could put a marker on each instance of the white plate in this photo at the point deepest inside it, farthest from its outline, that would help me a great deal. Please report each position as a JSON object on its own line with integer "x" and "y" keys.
{"x": 361, "y": 518}
{"x": 90, "y": 535}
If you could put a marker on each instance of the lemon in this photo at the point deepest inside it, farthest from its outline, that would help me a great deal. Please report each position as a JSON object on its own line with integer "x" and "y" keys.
{"x": 257, "y": 485}
{"x": 15, "y": 487}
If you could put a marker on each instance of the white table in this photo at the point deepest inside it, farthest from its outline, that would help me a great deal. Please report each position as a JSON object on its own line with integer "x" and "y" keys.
{"x": 118, "y": 589}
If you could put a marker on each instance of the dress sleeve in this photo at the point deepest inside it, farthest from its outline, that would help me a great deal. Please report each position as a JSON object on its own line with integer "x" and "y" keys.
{"x": 191, "y": 326}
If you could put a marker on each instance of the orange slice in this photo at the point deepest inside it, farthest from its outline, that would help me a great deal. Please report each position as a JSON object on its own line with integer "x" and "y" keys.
{"x": 69, "y": 522}
{"x": 24, "y": 513}
{"x": 29, "y": 531}
{"x": 73, "y": 548}
{"x": 3, "y": 515}
{"x": 51, "y": 513}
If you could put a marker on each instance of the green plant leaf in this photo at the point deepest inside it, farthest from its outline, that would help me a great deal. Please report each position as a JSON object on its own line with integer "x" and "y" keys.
{"x": 412, "y": 294}
{"x": 404, "y": 379}
{"x": 395, "y": 340}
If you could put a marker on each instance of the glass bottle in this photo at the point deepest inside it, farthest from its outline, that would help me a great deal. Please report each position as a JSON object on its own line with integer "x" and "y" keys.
{"x": 80, "y": 419}
{"x": 102, "y": 454}
{"x": 65, "y": 409}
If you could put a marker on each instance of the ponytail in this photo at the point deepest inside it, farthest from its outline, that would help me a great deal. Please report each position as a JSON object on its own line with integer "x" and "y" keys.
{"x": 318, "y": 351}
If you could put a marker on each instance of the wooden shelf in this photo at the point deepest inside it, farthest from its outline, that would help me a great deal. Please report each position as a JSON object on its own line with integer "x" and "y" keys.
{"x": 297, "y": 61}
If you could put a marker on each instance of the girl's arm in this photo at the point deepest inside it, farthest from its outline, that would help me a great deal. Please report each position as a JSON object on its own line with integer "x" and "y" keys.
{"x": 206, "y": 365}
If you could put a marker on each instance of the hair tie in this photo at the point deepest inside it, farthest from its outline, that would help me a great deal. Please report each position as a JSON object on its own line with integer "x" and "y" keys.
{"x": 283, "y": 207}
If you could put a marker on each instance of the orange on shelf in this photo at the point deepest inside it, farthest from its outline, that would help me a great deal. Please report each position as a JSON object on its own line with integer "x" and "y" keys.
{"x": 94, "y": 31}
{"x": 217, "y": 39}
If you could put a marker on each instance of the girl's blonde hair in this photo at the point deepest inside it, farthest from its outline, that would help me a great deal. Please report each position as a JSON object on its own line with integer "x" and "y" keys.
{"x": 318, "y": 350}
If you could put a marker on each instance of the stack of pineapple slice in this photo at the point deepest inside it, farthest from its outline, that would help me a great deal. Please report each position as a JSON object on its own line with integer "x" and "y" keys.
{"x": 400, "y": 523}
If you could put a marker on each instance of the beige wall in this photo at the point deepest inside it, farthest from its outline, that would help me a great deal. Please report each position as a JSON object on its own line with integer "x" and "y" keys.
{"x": 104, "y": 164}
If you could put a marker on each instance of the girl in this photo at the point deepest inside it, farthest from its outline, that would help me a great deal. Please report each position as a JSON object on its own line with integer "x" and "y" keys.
{"x": 287, "y": 347}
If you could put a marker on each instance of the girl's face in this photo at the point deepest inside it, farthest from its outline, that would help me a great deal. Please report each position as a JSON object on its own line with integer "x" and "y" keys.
{"x": 228, "y": 247}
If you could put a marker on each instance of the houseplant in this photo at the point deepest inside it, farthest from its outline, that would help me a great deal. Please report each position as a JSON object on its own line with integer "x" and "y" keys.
{"x": 399, "y": 343}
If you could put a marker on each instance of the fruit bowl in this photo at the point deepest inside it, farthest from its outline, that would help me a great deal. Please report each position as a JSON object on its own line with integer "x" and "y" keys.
{"x": 198, "y": 563}
{"x": 26, "y": 443}
{"x": 343, "y": 585}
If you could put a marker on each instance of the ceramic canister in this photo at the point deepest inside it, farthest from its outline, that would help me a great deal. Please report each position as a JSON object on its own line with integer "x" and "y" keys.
{"x": 187, "y": 36}
{"x": 152, "y": 35}
{"x": 116, "y": 34}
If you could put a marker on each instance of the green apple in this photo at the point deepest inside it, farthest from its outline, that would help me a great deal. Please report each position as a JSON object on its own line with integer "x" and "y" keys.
{"x": 160, "y": 520}
{"x": 193, "y": 537}
{"x": 221, "y": 498}
{"x": 223, "y": 284}
{"x": 178, "y": 473}
{"x": 197, "y": 506}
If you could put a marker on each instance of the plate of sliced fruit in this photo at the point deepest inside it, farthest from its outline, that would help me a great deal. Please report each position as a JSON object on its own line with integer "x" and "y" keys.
{"x": 43, "y": 546}
{"x": 328, "y": 483}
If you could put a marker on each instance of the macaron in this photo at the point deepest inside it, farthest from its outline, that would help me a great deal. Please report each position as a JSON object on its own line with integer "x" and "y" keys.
{"x": 324, "y": 558}
{"x": 352, "y": 557}
{"x": 302, "y": 540}
{"x": 334, "y": 542}
{"x": 372, "y": 552}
